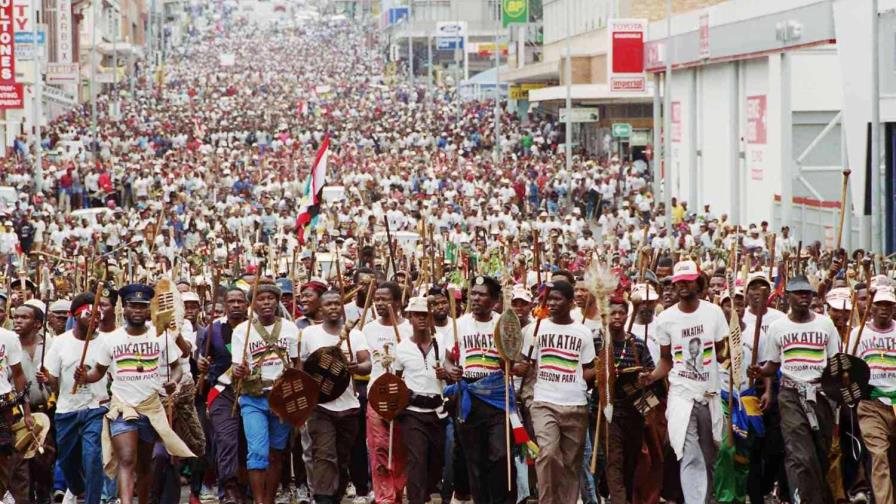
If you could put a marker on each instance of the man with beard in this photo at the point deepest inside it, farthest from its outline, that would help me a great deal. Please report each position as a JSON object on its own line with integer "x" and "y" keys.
{"x": 482, "y": 433}
{"x": 333, "y": 425}
{"x": 799, "y": 345}
{"x": 133, "y": 354}
{"x": 694, "y": 410}
{"x": 79, "y": 416}
{"x": 438, "y": 308}
{"x": 273, "y": 345}
{"x": 13, "y": 393}
{"x": 362, "y": 279}
{"x": 225, "y": 427}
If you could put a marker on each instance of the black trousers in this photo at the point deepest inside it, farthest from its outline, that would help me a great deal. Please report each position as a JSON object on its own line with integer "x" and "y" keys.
{"x": 482, "y": 436}
{"x": 358, "y": 469}
{"x": 424, "y": 436}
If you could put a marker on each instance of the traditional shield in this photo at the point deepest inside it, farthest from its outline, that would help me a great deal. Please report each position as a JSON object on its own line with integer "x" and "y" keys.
{"x": 508, "y": 336}
{"x": 327, "y": 366}
{"x": 846, "y": 379}
{"x": 644, "y": 399}
{"x": 388, "y": 396}
{"x": 294, "y": 396}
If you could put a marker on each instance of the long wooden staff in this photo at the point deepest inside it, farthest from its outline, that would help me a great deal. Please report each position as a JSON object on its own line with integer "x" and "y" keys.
{"x": 367, "y": 301}
{"x": 452, "y": 316}
{"x": 208, "y": 334}
{"x": 391, "y": 245}
{"x": 855, "y": 345}
{"x": 843, "y": 209}
{"x": 239, "y": 383}
{"x": 388, "y": 370}
{"x": 91, "y": 326}
{"x": 348, "y": 338}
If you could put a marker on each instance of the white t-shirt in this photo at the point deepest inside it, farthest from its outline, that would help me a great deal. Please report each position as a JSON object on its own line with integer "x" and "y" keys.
{"x": 692, "y": 337}
{"x": 878, "y": 349}
{"x": 560, "y": 351}
{"x": 315, "y": 337}
{"x": 770, "y": 316}
{"x": 478, "y": 354}
{"x": 262, "y": 354}
{"x": 61, "y": 361}
{"x": 134, "y": 362}
{"x": 803, "y": 349}
{"x": 380, "y": 339}
{"x": 653, "y": 345}
{"x": 419, "y": 371}
{"x": 10, "y": 355}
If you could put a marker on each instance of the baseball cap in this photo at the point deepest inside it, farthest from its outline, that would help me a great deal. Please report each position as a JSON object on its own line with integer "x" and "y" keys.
{"x": 726, "y": 294}
{"x": 685, "y": 271}
{"x": 189, "y": 296}
{"x": 417, "y": 305}
{"x": 799, "y": 283}
{"x": 758, "y": 276}
{"x": 884, "y": 294}
{"x": 839, "y": 298}
{"x": 521, "y": 292}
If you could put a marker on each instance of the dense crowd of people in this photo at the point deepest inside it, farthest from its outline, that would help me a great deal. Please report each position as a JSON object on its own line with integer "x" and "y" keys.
{"x": 462, "y": 318}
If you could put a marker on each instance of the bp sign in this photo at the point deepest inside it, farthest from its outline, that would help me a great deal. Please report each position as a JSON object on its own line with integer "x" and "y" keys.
{"x": 621, "y": 130}
{"x": 514, "y": 11}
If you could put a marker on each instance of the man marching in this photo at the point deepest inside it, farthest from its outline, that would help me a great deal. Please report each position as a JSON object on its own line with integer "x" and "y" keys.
{"x": 800, "y": 345}
{"x": 418, "y": 361}
{"x": 136, "y": 416}
{"x": 877, "y": 416}
{"x": 482, "y": 433}
{"x": 79, "y": 415}
{"x": 13, "y": 399}
{"x": 273, "y": 344}
{"x": 565, "y": 365}
{"x": 334, "y": 424}
{"x": 692, "y": 334}
{"x": 388, "y": 483}
{"x": 225, "y": 427}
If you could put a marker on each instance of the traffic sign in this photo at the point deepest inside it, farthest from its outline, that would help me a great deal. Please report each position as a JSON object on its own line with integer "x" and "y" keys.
{"x": 621, "y": 130}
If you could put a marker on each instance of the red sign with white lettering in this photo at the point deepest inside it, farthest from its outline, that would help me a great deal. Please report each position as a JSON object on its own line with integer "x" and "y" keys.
{"x": 7, "y": 43}
{"x": 12, "y": 96}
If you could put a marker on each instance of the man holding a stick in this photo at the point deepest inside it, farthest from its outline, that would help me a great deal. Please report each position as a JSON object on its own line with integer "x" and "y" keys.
{"x": 263, "y": 348}
{"x": 565, "y": 365}
{"x": 333, "y": 425}
{"x": 136, "y": 417}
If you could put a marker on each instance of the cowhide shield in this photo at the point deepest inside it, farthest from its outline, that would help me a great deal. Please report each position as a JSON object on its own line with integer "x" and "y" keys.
{"x": 328, "y": 367}
{"x": 846, "y": 378}
{"x": 294, "y": 396}
{"x": 388, "y": 396}
{"x": 508, "y": 336}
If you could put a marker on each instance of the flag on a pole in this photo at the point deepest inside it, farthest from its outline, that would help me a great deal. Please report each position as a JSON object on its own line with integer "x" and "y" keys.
{"x": 314, "y": 185}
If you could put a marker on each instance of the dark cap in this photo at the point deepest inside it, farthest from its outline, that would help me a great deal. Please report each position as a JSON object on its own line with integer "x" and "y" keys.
{"x": 285, "y": 285}
{"x": 136, "y": 293}
{"x": 800, "y": 283}
{"x": 17, "y": 283}
{"x": 494, "y": 287}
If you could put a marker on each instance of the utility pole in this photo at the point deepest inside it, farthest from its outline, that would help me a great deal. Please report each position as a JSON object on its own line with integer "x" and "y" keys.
{"x": 877, "y": 232}
{"x": 497, "y": 84}
{"x": 38, "y": 102}
{"x": 667, "y": 121}
{"x": 411, "y": 43}
{"x": 95, "y": 28}
{"x": 150, "y": 53}
{"x": 567, "y": 76}
{"x": 113, "y": 105}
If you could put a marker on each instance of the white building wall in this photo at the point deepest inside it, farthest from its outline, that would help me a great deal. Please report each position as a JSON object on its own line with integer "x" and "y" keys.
{"x": 717, "y": 129}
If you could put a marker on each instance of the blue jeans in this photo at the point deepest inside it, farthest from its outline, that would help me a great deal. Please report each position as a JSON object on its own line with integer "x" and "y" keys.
{"x": 80, "y": 451}
{"x": 264, "y": 431}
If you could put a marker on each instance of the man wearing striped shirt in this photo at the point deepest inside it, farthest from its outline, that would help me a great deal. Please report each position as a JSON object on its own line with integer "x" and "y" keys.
{"x": 800, "y": 345}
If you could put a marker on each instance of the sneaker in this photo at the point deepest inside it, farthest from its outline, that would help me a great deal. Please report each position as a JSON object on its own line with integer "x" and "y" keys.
{"x": 303, "y": 495}
{"x": 860, "y": 498}
{"x": 350, "y": 491}
{"x": 194, "y": 499}
{"x": 58, "y": 496}
{"x": 361, "y": 500}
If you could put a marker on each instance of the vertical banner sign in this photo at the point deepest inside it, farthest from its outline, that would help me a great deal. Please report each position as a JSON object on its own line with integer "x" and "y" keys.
{"x": 514, "y": 11}
{"x": 625, "y": 62}
{"x": 676, "y": 121}
{"x": 704, "y": 35}
{"x": 64, "y": 31}
{"x": 756, "y": 135}
{"x": 7, "y": 43}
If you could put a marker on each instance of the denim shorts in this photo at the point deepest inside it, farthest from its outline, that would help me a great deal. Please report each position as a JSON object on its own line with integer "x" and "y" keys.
{"x": 144, "y": 429}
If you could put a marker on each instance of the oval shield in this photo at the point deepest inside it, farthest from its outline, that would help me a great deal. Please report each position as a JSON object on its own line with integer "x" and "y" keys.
{"x": 388, "y": 396}
{"x": 509, "y": 336}
{"x": 328, "y": 367}
{"x": 294, "y": 396}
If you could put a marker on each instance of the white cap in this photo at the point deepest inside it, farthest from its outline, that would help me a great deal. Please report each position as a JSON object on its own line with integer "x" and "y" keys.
{"x": 189, "y": 296}
{"x": 61, "y": 305}
{"x": 37, "y": 303}
{"x": 645, "y": 292}
{"x": 839, "y": 298}
{"x": 726, "y": 294}
{"x": 884, "y": 294}
{"x": 417, "y": 305}
{"x": 685, "y": 271}
{"x": 521, "y": 292}
{"x": 758, "y": 276}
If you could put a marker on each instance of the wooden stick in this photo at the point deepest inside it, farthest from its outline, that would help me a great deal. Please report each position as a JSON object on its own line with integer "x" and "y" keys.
{"x": 756, "y": 330}
{"x": 855, "y": 345}
{"x": 239, "y": 383}
{"x": 507, "y": 422}
{"x": 367, "y": 301}
{"x": 843, "y": 209}
{"x": 391, "y": 246}
{"x": 91, "y": 326}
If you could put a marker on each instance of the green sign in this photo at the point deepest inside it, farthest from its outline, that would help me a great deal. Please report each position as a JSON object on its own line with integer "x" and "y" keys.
{"x": 621, "y": 130}
{"x": 514, "y": 11}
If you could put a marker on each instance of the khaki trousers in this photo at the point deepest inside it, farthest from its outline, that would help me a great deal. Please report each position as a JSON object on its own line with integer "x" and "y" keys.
{"x": 878, "y": 424}
{"x": 560, "y": 434}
